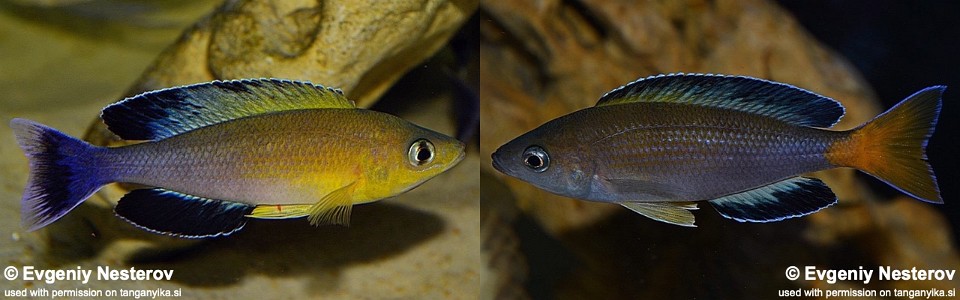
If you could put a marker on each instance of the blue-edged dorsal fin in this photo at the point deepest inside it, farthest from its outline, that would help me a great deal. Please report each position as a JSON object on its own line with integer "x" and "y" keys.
{"x": 677, "y": 213}
{"x": 791, "y": 198}
{"x": 777, "y": 100}
{"x": 168, "y": 212}
{"x": 163, "y": 113}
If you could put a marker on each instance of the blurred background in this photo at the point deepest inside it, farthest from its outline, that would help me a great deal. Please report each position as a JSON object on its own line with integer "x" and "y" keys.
{"x": 61, "y": 61}
{"x": 900, "y": 47}
{"x": 545, "y": 59}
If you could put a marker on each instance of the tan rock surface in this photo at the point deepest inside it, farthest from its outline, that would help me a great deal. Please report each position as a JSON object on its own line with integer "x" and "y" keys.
{"x": 553, "y": 58}
{"x": 505, "y": 266}
{"x": 360, "y": 47}
{"x": 544, "y": 59}
{"x": 422, "y": 244}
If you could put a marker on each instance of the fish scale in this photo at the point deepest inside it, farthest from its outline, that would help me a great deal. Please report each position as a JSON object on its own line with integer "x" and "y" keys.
{"x": 658, "y": 142}
{"x": 218, "y": 153}
{"x": 661, "y": 143}
{"x": 233, "y": 157}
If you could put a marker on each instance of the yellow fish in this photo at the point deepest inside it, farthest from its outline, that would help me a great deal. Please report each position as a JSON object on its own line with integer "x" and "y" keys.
{"x": 222, "y": 152}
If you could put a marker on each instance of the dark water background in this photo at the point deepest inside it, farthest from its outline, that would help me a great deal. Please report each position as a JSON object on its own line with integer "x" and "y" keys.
{"x": 901, "y": 47}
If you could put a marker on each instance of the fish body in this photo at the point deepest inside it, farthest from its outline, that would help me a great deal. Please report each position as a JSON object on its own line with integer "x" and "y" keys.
{"x": 288, "y": 157}
{"x": 222, "y": 152}
{"x": 660, "y": 144}
{"x": 663, "y": 152}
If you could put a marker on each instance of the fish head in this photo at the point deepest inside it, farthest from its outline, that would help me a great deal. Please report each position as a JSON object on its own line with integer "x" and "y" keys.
{"x": 543, "y": 159}
{"x": 421, "y": 154}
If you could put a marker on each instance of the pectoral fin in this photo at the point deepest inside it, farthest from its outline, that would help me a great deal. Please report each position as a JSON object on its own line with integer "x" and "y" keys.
{"x": 284, "y": 211}
{"x": 334, "y": 208}
{"x": 677, "y": 213}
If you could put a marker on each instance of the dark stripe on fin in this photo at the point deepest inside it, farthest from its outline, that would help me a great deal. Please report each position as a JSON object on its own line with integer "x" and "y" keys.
{"x": 181, "y": 215}
{"x": 163, "y": 113}
{"x": 64, "y": 172}
{"x": 791, "y": 198}
{"x": 777, "y": 100}
{"x": 676, "y": 213}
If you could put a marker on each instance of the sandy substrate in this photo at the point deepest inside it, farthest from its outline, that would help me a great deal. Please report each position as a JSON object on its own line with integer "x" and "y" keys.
{"x": 422, "y": 244}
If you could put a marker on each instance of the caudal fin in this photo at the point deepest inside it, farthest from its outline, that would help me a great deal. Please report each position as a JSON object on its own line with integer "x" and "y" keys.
{"x": 892, "y": 146}
{"x": 63, "y": 173}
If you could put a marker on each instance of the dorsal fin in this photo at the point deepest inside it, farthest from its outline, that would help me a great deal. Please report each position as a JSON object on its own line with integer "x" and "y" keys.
{"x": 163, "y": 113}
{"x": 778, "y": 100}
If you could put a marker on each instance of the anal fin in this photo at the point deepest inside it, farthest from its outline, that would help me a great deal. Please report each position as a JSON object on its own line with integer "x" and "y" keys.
{"x": 677, "y": 213}
{"x": 168, "y": 212}
{"x": 334, "y": 208}
{"x": 791, "y": 198}
{"x": 280, "y": 211}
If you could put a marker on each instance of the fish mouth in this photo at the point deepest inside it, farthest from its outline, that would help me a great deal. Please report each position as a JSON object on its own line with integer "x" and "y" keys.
{"x": 496, "y": 162}
{"x": 460, "y": 156}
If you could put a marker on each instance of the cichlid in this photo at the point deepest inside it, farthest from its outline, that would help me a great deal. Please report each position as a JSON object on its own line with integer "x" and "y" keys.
{"x": 221, "y": 152}
{"x": 660, "y": 144}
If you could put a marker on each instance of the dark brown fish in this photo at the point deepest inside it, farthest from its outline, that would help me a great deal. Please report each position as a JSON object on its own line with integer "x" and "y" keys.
{"x": 661, "y": 143}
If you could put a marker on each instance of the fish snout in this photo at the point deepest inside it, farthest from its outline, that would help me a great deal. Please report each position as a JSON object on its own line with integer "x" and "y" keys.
{"x": 461, "y": 152}
{"x": 498, "y": 161}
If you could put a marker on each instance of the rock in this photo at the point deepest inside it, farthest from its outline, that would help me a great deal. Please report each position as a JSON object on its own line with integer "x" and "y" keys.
{"x": 60, "y": 53}
{"x": 421, "y": 244}
{"x": 361, "y": 48}
{"x": 555, "y": 57}
{"x": 62, "y": 61}
{"x": 505, "y": 272}
{"x": 545, "y": 59}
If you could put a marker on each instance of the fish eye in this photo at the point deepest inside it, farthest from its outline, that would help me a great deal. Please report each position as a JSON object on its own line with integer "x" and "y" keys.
{"x": 420, "y": 152}
{"x": 536, "y": 159}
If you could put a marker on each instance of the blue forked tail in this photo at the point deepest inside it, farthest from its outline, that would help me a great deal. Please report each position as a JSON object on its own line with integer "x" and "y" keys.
{"x": 63, "y": 173}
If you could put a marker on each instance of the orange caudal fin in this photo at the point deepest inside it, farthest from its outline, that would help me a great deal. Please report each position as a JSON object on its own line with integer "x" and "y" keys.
{"x": 892, "y": 146}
